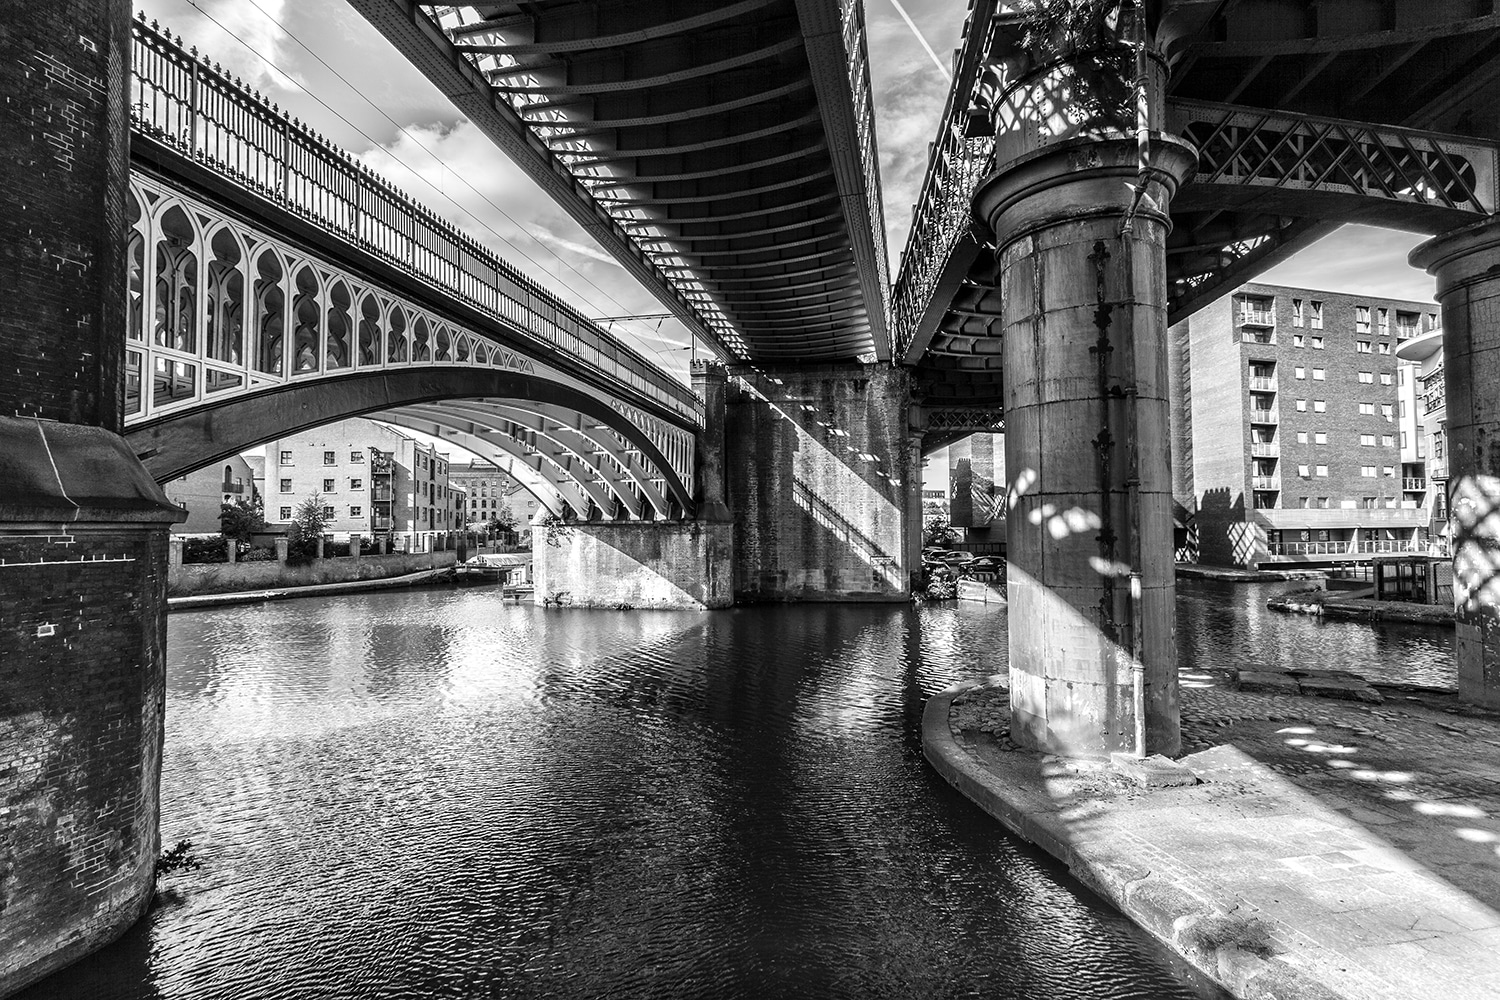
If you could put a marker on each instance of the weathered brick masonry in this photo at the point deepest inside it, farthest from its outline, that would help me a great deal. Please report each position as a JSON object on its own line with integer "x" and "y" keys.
{"x": 65, "y": 144}
{"x": 82, "y": 526}
{"x": 818, "y": 476}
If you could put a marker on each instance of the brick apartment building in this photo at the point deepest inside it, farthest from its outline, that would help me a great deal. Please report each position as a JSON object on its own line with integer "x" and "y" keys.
{"x": 1286, "y": 427}
{"x": 203, "y": 494}
{"x": 373, "y": 480}
{"x": 489, "y": 488}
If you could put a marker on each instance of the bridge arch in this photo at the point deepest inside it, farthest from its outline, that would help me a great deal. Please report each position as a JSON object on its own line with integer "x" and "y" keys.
{"x": 176, "y": 444}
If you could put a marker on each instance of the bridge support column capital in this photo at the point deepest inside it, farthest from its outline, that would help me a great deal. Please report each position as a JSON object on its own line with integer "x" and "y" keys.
{"x": 1466, "y": 264}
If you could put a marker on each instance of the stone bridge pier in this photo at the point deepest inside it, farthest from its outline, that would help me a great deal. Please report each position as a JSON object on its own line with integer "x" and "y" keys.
{"x": 83, "y": 527}
{"x": 808, "y": 490}
{"x": 1466, "y": 263}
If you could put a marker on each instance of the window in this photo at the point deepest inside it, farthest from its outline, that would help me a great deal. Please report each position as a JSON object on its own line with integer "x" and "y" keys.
{"x": 1362, "y": 346}
{"x": 1300, "y": 372}
{"x": 1362, "y": 319}
{"x": 1320, "y": 437}
{"x": 1385, "y": 348}
{"x": 1322, "y": 471}
{"x": 328, "y": 485}
{"x": 1367, "y": 409}
{"x": 1301, "y": 406}
{"x": 356, "y": 511}
{"x": 1367, "y": 440}
{"x": 1303, "y": 502}
{"x": 1403, "y": 439}
{"x": 1302, "y": 437}
{"x": 1367, "y": 378}
{"x": 1383, "y": 319}
{"x": 1367, "y": 471}
{"x": 1388, "y": 471}
{"x": 286, "y": 486}
{"x": 1403, "y": 408}
{"x": 1388, "y": 440}
{"x": 356, "y": 484}
{"x": 286, "y": 458}
{"x": 286, "y": 514}
{"x": 1315, "y": 312}
{"x": 1317, "y": 343}
{"x": 1297, "y": 313}
{"x": 1369, "y": 503}
{"x": 1318, "y": 375}
{"x": 356, "y": 457}
{"x": 328, "y": 512}
{"x": 1385, "y": 378}
{"x": 1304, "y": 471}
{"x": 1298, "y": 340}
{"x": 330, "y": 458}
{"x": 1320, "y": 406}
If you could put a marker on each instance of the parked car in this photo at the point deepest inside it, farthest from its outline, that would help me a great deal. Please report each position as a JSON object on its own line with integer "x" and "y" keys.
{"x": 958, "y": 558}
{"x": 985, "y": 564}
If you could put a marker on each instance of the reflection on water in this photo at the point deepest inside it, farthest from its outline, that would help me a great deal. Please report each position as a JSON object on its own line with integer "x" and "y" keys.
{"x": 1224, "y": 625}
{"x": 433, "y": 794}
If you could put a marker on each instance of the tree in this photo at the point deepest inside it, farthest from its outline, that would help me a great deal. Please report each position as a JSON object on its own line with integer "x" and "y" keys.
{"x": 940, "y": 532}
{"x": 504, "y": 517}
{"x": 242, "y": 518}
{"x": 308, "y": 525}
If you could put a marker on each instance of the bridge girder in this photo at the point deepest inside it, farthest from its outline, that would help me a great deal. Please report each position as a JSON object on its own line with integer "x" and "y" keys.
{"x": 697, "y": 146}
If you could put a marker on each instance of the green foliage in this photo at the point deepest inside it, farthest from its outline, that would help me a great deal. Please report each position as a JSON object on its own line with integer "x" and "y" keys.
{"x": 553, "y": 529}
{"x": 504, "y": 518}
{"x": 308, "y": 525}
{"x": 937, "y": 531}
{"x": 205, "y": 550}
{"x": 259, "y": 553}
{"x": 178, "y": 859}
{"x": 242, "y": 518}
{"x": 1060, "y": 26}
{"x": 940, "y": 588}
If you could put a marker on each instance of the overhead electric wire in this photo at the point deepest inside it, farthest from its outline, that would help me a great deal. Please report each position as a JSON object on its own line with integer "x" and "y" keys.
{"x": 405, "y": 131}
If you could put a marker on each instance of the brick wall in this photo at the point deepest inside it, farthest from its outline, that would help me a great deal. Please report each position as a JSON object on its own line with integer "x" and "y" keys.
{"x": 81, "y": 691}
{"x": 63, "y": 69}
{"x": 819, "y": 475}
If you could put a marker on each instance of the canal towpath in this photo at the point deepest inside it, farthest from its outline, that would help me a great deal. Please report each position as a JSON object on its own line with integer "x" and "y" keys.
{"x": 1329, "y": 849}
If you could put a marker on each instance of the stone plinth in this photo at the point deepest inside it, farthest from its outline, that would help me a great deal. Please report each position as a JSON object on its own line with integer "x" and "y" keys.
{"x": 636, "y": 564}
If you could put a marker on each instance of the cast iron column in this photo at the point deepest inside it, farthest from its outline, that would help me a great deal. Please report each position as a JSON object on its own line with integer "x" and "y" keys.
{"x": 1466, "y": 263}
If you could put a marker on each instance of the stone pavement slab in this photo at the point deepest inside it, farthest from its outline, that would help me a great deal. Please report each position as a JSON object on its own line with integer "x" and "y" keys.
{"x": 1333, "y": 849}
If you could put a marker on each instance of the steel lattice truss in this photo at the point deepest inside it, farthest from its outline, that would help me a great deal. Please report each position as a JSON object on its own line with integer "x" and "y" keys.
{"x": 723, "y": 153}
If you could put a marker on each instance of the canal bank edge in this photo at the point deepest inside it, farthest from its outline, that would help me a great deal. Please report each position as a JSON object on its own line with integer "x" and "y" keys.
{"x": 1126, "y": 880}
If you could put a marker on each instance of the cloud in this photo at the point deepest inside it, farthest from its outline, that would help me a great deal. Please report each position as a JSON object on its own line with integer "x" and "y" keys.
{"x": 1359, "y": 260}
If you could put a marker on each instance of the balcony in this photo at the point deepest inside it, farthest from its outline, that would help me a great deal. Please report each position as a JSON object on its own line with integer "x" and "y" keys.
{"x": 1264, "y": 483}
{"x": 1257, "y": 317}
{"x": 1263, "y": 417}
{"x": 380, "y": 494}
{"x": 238, "y": 486}
{"x": 1434, "y": 398}
{"x": 1373, "y": 545}
{"x": 380, "y": 524}
{"x": 1342, "y": 517}
{"x": 1263, "y": 383}
{"x": 1257, "y": 336}
{"x": 1265, "y": 449}
{"x": 1414, "y": 485}
{"x": 1341, "y": 548}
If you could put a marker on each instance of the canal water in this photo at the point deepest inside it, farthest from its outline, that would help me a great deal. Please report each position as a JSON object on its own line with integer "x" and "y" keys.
{"x": 430, "y": 794}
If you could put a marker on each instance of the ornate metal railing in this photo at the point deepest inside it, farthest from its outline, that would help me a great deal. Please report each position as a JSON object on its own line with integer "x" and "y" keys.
{"x": 956, "y": 163}
{"x": 851, "y": 13}
{"x": 181, "y": 101}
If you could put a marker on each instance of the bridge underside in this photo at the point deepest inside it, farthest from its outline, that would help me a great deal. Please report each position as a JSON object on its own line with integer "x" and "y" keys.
{"x": 1306, "y": 118}
{"x": 724, "y": 154}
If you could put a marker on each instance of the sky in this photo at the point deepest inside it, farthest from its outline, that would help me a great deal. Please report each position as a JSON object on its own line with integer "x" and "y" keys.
{"x": 322, "y": 61}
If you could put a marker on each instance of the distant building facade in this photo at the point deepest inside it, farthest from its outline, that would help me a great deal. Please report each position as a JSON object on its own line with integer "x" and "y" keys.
{"x": 1424, "y": 438}
{"x": 205, "y": 492}
{"x": 489, "y": 489}
{"x": 976, "y": 486}
{"x": 1286, "y": 427}
{"x": 372, "y": 480}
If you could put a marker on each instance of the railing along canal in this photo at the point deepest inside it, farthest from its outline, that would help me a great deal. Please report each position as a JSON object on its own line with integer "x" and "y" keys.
{"x": 183, "y": 102}
{"x": 956, "y": 164}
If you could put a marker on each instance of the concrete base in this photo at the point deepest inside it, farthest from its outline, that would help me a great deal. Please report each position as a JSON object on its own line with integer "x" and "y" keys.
{"x": 636, "y": 564}
{"x": 1154, "y": 771}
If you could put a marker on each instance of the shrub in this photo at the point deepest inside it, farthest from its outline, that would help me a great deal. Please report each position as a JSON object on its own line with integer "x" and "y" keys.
{"x": 204, "y": 550}
{"x": 332, "y": 550}
{"x": 259, "y": 554}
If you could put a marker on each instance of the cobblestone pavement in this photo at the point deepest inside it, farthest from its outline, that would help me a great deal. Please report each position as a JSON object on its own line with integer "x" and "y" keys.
{"x": 1362, "y": 840}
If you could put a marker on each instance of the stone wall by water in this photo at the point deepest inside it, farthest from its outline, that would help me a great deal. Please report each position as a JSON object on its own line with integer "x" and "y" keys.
{"x": 639, "y": 564}
{"x": 229, "y": 578}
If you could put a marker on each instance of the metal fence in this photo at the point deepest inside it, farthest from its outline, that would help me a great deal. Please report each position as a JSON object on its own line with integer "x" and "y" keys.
{"x": 180, "y": 100}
